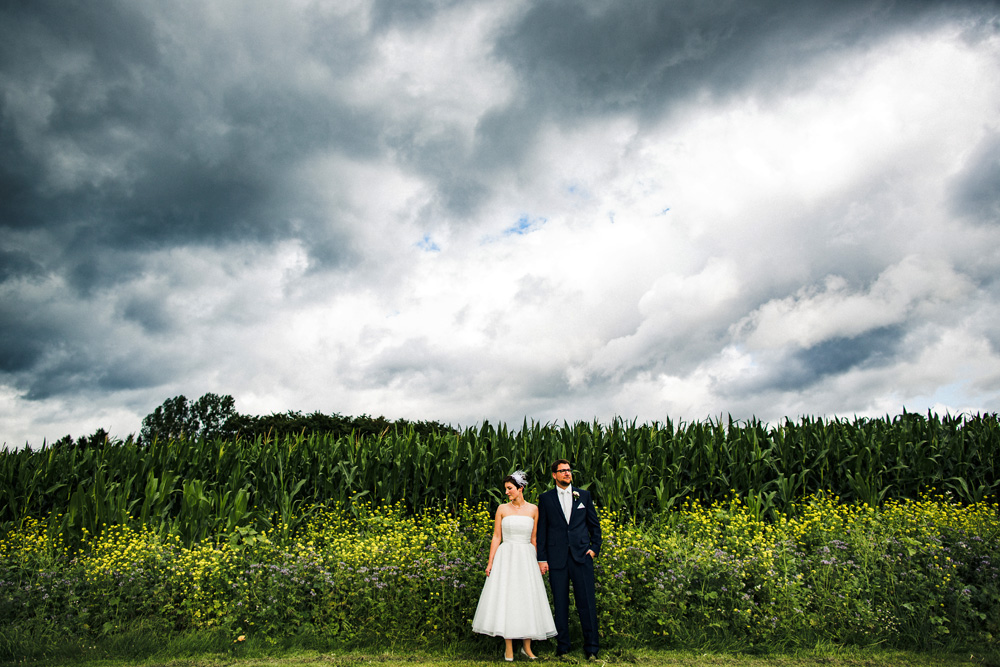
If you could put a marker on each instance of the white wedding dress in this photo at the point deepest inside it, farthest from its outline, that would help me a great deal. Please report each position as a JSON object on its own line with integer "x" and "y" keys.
{"x": 514, "y": 603}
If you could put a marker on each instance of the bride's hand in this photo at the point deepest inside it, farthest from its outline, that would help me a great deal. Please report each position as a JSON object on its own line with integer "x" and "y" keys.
{"x": 488, "y": 568}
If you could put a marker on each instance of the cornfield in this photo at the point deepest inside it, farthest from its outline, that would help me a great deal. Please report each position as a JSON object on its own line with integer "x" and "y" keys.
{"x": 198, "y": 489}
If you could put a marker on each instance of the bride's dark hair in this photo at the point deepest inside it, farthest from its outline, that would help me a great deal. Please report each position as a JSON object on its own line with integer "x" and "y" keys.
{"x": 517, "y": 478}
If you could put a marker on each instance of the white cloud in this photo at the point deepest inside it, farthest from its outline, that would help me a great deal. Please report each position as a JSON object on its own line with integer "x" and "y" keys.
{"x": 914, "y": 287}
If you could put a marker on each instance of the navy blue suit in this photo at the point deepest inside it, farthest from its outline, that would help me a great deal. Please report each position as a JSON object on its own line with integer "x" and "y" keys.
{"x": 564, "y": 547}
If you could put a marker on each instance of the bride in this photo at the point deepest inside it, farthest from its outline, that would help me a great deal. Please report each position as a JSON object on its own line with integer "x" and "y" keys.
{"x": 514, "y": 604}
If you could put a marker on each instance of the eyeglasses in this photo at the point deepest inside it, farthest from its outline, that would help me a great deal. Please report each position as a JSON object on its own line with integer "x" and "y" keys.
{"x": 562, "y": 470}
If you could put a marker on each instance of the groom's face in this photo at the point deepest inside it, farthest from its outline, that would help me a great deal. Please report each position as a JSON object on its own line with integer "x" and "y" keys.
{"x": 563, "y": 476}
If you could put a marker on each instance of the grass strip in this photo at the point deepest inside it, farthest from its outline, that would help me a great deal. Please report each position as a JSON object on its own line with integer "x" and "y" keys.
{"x": 262, "y": 657}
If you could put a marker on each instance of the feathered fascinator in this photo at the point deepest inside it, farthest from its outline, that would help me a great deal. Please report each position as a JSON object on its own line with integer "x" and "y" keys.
{"x": 519, "y": 478}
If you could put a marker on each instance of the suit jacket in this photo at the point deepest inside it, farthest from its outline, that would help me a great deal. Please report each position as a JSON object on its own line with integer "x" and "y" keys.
{"x": 557, "y": 540}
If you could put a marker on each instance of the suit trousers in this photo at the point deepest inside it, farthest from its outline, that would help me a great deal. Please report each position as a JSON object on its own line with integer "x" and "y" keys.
{"x": 582, "y": 577}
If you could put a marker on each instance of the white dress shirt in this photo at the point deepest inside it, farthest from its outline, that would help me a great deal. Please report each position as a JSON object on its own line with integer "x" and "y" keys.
{"x": 566, "y": 500}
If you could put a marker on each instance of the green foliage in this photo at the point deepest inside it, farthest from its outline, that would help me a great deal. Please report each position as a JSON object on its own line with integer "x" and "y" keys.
{"x": 909, "y": 574}
{"x": 211, "y": 416}
{"x": 199, "y": 487}
{"x": 214, "y": 417}
{"x": 293, "y": 424}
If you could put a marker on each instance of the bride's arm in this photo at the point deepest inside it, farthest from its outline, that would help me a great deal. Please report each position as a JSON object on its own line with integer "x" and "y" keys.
{"x": 534, "y": 529}
{"x": 495, "y": 542}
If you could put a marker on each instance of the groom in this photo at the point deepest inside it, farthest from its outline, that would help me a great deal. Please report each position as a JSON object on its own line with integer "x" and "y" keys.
{"x": 569, "y": 538}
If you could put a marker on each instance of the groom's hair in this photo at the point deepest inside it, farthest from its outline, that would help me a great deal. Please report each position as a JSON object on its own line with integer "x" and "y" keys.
{"x": 555, "y": 466}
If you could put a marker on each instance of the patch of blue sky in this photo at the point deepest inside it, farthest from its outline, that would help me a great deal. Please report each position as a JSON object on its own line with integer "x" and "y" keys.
{"x": 428, "y": 245}
{"x": 954, "y": 395}
{"x": 524, "y": 225}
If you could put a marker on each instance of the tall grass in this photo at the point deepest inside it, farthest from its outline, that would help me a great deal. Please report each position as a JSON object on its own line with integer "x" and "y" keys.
{"x": 199, "y": 488}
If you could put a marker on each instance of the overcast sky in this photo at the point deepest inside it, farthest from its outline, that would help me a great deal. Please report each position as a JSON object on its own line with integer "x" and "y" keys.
{"x": 469, "y": 210}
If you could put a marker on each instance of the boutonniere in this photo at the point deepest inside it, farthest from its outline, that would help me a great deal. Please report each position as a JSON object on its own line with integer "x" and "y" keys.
{"x": 576, "y": 495}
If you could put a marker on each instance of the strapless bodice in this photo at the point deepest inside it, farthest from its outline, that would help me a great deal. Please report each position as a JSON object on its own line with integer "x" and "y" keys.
{"x": 517, "y": 529}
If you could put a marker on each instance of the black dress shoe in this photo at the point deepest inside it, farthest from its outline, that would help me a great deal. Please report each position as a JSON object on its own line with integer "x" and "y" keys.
{"x": 559, "y": 654}
{"x": 591, "y": 656}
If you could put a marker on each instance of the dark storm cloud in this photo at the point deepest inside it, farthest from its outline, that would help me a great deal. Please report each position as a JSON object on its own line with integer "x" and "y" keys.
{"x": 18, "y": 175}
{"x": 50, "y": 347}
{"x": 19, "y": 349}
{"x": 505, "y": 135}
{"x": 839, "y": 355}
{"x": 623, "y": 55}
{"x": 643, "y": 57}
{"x": 126, "y": 132}
{"x": 460, "y": 188}
{"x": 17, "y": 263}
{"x": 149, "y": 312}
{"x": 28, "y": 330}
{"x": 90, "y": 369}
{"x": 977, "y": 189}
{"x": 50, "y": 99}
{"x": 118, "y": 138}
{"x": 462, "y": 196}
{"x": 392, "y": 13}
{"x": 613, "y": 56}
{"x": 116, "y": 34}
{"x": 49, "y": 354}
{"x": 804, "y": 368}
